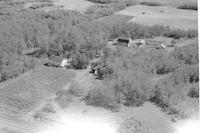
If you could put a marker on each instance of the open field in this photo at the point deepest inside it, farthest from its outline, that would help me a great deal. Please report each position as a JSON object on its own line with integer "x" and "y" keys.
{"x": 161, "y": 15}
{"x": 22, "y": 94}
{"x": 79, "y": 5}
{"x": 115, "y": 18}
{"x": 172, "y": 3}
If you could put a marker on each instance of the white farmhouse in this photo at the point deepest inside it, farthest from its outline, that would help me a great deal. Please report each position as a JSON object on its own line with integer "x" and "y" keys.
{"x": 66, "y": 62}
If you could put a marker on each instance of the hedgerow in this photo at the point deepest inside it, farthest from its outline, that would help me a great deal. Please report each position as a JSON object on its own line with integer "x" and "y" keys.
{"x": 188, "y": 6}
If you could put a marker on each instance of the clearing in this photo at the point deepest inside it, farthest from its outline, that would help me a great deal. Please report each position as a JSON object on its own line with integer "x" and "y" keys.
{"x": 172, "y": 3}
{"x": 78, "y": 5}
{"x": 24, "y": 93}
{"x": 162, "y": 15}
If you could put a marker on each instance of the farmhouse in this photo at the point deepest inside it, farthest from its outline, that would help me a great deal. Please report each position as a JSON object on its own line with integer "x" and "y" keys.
{"x": 128, "y": 42}
{"x": 122, "y": 42}
{"x": 58, "y": 61}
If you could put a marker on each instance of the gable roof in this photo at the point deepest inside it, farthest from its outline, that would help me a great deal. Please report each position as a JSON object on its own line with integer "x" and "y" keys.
{"x": 120, "y": 40}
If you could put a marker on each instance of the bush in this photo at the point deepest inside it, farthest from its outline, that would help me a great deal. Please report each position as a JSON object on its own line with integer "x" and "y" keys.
{"x": 189, "y": 6}
{"x": 101, "y": 1}
{"x": 99, "y": 11}
{"x": 131, "y": 125}
{"x": 187, "y": 54}
{"x": 40, "y": 5}
{"x": 176, "y": 89}
{"x": 177, "y": 33}
{"x": 129, "y": 89}
{"x": 79, "y": 61}
{"x": 48, "y": 108}
{"x": 194, "y": 90}
{"x": 165, "y": 64}
{"x": 101, "y": 96}
{"x": 76, "y": 90}
{"x": 63, "y": 98}
{"x": 102, "y": 10}
{"x": 148, "y": 3}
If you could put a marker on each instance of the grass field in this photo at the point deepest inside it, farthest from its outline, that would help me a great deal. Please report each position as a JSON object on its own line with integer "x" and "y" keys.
{"x": 25, "y": 92}
{"x": 79, "y": 5}
{"x": 115, "y": 18}
{"x": 172, "y": 3}
{"x": 162, "y": 15}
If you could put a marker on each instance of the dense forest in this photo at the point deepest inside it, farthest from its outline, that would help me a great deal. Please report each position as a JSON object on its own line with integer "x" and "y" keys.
{"x": 127, "y": 72}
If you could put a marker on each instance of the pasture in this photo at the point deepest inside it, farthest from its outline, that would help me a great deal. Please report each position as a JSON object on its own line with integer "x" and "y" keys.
{"x": 115, "y": 18}
{"x": 78, "y": 5}
{"x": 162, "y": 15}
{"x": 172, "y": 3}
{"x": 25, "y": 92}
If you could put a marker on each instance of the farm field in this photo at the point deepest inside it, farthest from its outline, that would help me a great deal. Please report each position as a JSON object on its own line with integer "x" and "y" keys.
{"x": 172, "y": 3}
{"x": 22, "y": 94}
{"x": 162, "y": 15}
{"x": 115, "y": 18}
{"x": 78, "y": 5}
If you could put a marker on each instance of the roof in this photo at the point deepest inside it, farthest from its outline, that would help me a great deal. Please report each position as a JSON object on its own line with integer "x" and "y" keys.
{"x": 123, "y": 40}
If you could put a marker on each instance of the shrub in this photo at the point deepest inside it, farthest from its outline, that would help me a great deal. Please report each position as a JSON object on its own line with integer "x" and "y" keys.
{"x": 177, "y": 33}
{"x": 63, "y": 98}
{"x": 165, "y": 64}
{"x": 36, "y": 6}
{"x": 187, "y": 108}
{"x": 104, "y": 10}
{"x": 101, "y": 1}
{"x": 129, "y": 89}
{"x": 174, "y": 90}
{"x": 109, "y": 8}
{"x": 79, "y": 61}
{"x": 189, "y": 6}
{"x": 76, "y": 90}
{"x": 194, "y": 90}
{"x": 131, "y": 125}
{"x": 187, "y": 54}
{"x": 48, "y": 108}
{"x": 101, "y": 96}
{"x": 148, "y": 3}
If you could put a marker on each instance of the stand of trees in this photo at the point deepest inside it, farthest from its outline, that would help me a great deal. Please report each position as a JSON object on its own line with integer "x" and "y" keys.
{"x": 129, "y": 74}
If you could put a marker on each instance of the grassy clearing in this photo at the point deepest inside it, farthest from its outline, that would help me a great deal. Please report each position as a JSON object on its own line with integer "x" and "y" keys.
{"x": 171, "y": 3}
{"x": 79, "y": 5}
{"x": 161, "y": 15}
{"x": 115, "y": 18}
{"x": 25, "y": 92}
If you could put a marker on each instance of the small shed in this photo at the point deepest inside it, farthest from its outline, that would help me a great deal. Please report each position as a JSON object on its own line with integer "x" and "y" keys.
{"x": 59, "y": 61}
{"x": 122, "y": 42}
